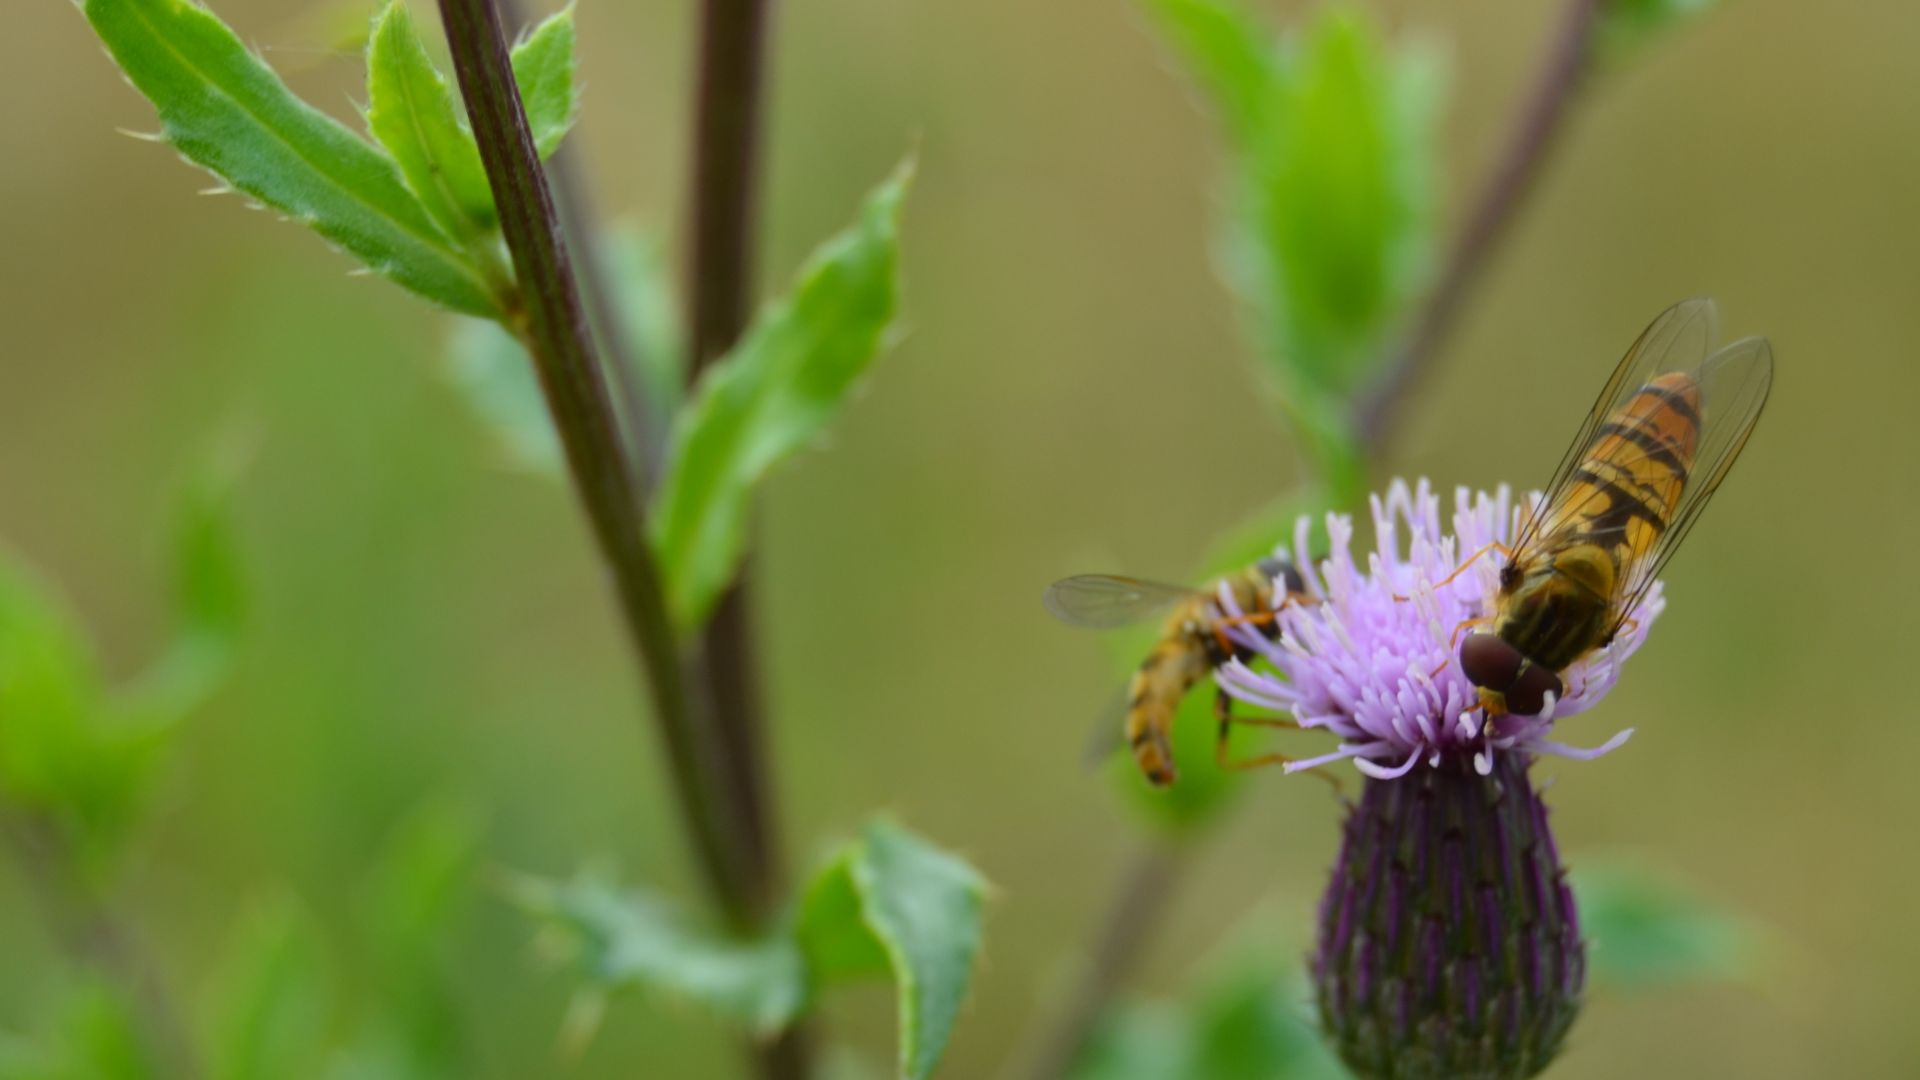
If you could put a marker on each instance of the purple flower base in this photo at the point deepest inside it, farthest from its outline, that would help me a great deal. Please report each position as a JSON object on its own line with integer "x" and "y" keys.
{"x": 1448, "y": 941}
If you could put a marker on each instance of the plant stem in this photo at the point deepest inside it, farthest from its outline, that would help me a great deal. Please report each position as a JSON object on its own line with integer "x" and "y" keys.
{"x": 92, "y": 936}
{"x": 554, "y": 327}
{"x": 1146, "y": 885}
{"x": 726, "y": 150}
{"x": 1145, "y": 888}
{"x": 1534, "y": 133}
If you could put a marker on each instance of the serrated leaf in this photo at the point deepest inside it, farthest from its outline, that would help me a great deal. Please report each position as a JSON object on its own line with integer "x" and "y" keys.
{"x": 225, "y": 110}
{"x": 775, "y": 393}
{"x": 272, "y": 998}
{"x": 411, "y": 111}
{"x": 1644, "y": 931}
{"x": 543, "y": 70}
{"x": 635, "y": 940}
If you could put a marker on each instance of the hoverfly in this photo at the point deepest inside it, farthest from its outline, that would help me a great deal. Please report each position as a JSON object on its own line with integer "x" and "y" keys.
{"x": 1658, "y": 442}
{"x": 1193, "y": 644}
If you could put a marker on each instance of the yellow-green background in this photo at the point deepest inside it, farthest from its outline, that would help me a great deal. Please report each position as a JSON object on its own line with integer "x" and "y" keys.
{"x": 1072, "y": 394}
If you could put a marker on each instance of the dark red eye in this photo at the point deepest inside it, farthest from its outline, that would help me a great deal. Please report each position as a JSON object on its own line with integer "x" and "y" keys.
{"x": 1489, "y": 661}
{"x": 1528, "y": 695}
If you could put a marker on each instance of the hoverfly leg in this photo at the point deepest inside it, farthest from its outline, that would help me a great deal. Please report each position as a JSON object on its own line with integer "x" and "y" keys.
{"x": 1503, "y": 549}
{"x": 1223, "y": 712}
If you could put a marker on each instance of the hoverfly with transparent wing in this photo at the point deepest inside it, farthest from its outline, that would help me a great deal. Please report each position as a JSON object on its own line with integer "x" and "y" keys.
{"x": 1650, "y": 454}
{"x": 1193, "y": 643}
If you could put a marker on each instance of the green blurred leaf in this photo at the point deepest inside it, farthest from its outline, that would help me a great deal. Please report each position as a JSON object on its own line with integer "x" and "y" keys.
{"x": 272, "y": 1000}
{"x": 1645, "y": 932}
{"x": 543, "y": 69}
{"x": 97, "y": 1037}
{"x": 1250, "y": 1019}
{"x": 227, "y": 111}
{"x": 635, "y": 940}
{"x": 776, "y": 392}
{"x": 1626, "y": 26}
{"x": 495, "y": 375}
{"x": 1332, "y": 221}
{"x": 411, "y": 111}
{"x": 920, "y": 908}
{"x": 49, "y": 691}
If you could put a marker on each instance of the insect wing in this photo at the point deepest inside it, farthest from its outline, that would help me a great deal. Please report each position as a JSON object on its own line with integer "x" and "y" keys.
{"x": 1734, "y": 383}
{"x": 1103, "y": 601}
{"x": 1678, "y": 340}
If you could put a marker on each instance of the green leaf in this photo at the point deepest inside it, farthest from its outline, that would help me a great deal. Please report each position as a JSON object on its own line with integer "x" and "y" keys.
{"x": 543, "y": 69}
{"x": 1331, "y": 226}
{"x": 49, "y": 692}
{"x": 224, "y": 109}
{"x": 1626, "y": 26}
{"x": 923, "y": 905}
{"x": 411, "y": 111}
{"x": 775, "y": 393}
{"x": 1645, "y": 932}
{"x": 492, "y": 370}
{"x": 97, "y": 1037}
{"x": 272, "y": 998}
{"x": 495, "y": 375}
{"x": 632, "y": 940}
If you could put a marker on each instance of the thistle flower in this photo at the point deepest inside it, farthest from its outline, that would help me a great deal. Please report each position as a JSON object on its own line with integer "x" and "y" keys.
{"x": 1448, "y": 942}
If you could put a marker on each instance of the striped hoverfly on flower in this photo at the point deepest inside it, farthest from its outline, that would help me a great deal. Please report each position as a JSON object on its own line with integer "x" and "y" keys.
{"x": 1193, "y": 644}
{"x": 1651, "y": 453}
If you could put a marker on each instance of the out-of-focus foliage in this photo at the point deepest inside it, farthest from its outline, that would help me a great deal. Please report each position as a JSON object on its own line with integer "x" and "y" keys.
{"x": 773, "y": 394}
{"x": 494, "y": 373}
{"x": 887, "y": 903}
{"x": 1252, "y": 1019}
{"x": 94, "y": 1037}
{"x": 1329, "y": 133}
{"x": 1644, "y": 931}
{"x": 272, "y": 1003}
{"x": 75, "y": 753}
{"x": 1627, "y": 25}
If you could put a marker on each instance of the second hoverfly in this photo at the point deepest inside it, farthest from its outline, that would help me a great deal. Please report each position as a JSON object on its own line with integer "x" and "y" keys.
{"x": 1193, "y": 644}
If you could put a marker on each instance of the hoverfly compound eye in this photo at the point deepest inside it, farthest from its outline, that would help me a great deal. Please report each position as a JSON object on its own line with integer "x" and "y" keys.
{"x": 1528, "y": 695}
{"x": 1489, "y": 662}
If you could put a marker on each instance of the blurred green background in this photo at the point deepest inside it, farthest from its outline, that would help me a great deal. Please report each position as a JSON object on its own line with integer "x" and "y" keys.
{"x": 1073, "y": 394}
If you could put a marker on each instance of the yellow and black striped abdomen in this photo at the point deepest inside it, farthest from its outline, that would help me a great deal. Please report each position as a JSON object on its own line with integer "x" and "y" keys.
{"x": 1622, "y": 495}
{"x": 1177, "y": 662}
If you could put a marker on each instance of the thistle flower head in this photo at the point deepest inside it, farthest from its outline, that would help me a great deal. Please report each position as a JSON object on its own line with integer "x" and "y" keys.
{"x": 1372, "y": 657}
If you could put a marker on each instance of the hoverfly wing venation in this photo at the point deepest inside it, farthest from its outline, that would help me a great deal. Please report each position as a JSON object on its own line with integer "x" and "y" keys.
{"x": 1734, "y": 383}
{"x": 1677, "y": 340}
{"x": 1105, "y": 601}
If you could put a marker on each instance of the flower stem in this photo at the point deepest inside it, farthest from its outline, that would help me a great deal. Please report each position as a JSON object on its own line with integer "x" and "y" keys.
{"x": 1535, "y": 131}
{"x": 551, "y": 321}
{"x": 726, "y": 150}
{"x": 1146, "y": 886}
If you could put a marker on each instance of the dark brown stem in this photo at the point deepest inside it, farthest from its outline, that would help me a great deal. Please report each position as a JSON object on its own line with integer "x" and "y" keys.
{"x": 93, "y": 936}
{"x": 1144, "y": 890}
{"x": 554, "y": 326}
{"x": 1535, "y": 131}
{"x": 720, "y": 295}
{"x": 726, "y": 149}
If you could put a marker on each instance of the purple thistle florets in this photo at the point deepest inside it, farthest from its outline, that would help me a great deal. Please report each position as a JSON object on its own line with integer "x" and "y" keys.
{"x": 1448, "y": 942}
{"x": 1373, "y": 657}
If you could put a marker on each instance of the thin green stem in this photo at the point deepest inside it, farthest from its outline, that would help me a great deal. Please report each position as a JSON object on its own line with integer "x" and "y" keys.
{"x": 553, "y": 324}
